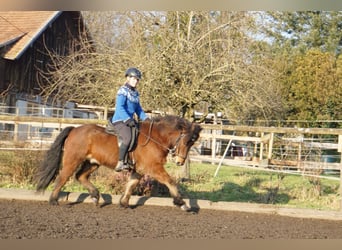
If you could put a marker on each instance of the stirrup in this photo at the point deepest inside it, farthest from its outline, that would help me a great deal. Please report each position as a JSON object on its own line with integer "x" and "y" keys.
{"x": 121, "y": 167}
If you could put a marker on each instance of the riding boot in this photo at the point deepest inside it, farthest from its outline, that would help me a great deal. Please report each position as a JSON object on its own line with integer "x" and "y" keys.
{"x": 122, "y": 153}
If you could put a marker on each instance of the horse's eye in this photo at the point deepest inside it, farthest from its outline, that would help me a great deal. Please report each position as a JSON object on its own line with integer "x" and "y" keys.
{"x": 194, "y": 138}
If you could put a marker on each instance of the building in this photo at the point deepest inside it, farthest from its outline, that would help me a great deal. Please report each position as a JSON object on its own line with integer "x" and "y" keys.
{"x": 26, "y": 39}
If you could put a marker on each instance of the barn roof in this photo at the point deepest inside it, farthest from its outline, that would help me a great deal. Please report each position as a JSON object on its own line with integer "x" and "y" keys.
{"x": 19, "y": 29}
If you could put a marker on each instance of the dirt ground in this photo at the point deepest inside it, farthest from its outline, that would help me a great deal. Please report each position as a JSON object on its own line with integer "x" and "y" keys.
{"x": 39, "y": 220}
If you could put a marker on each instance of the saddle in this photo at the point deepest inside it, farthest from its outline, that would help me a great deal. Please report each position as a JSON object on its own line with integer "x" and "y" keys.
{"x": 110, "y": 129}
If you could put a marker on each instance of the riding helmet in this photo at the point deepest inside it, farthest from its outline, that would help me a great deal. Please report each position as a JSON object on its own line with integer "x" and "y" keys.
{"x": 134, "y": 72}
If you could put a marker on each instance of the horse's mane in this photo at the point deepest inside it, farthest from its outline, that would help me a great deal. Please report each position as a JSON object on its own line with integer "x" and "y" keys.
{"x": 179, "y": 123}
{"x": 174, "y": 122}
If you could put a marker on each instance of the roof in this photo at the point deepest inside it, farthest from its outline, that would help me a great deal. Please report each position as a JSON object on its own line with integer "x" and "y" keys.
{"x": 21, "y": 28}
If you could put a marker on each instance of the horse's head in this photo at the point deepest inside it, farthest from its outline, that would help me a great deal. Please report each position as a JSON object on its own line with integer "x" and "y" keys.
{"x": 188, "y": 135}
{"x": 187, "y": 139}
{"x": 176, "y": 135}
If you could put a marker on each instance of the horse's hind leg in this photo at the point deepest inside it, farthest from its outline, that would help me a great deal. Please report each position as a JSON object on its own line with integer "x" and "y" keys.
{"x": 60, "y": 181}
{"x": 83, "y": 175}
{"x": 130, "y": 185}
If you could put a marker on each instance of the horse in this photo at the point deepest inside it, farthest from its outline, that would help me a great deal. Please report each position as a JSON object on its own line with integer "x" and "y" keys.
{"x": 83, "y": 149}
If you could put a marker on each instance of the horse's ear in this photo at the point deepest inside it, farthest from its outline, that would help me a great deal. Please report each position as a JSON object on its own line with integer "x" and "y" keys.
{"x": 197, "y": 127}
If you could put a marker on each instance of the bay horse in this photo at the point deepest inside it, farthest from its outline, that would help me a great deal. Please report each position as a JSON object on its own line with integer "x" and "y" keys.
{"x": 83, "y": 149}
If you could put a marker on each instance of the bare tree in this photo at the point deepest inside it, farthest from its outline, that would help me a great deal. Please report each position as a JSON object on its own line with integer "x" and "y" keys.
{"x": 190, "y": 61}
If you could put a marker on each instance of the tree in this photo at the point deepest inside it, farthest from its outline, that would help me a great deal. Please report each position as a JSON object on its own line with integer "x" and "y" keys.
{"x": 309, "y": 45}
{"x": 314, "y": 87}
{"x": 190, "y": 61}
{"x": 209, "y": 63}
{"x": 305, "y": 30}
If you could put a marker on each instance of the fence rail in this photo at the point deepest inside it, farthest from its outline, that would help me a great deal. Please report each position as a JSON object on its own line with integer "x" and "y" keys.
{"x": 310, "y": 151}
{"x": 303, "y": 148}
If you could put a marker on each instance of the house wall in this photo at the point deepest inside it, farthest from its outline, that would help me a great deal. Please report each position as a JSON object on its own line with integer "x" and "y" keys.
{"x": 3, "y": 83}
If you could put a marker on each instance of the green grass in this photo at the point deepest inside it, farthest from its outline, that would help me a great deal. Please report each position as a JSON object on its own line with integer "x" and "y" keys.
{"x": 254, "y": 186}
{"x": 231, "y": 184}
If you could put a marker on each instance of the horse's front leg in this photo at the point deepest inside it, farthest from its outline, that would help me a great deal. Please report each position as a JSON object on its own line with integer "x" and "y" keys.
{"x": 131, "y": 184}
{"x": 163, "y": 177}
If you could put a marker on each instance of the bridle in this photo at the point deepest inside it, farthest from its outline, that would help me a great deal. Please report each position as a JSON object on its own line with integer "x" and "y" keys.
{"x": 172, "y": 150}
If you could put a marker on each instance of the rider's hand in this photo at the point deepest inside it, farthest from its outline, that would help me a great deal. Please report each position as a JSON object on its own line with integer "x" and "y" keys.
{"x": 130, "y": 123}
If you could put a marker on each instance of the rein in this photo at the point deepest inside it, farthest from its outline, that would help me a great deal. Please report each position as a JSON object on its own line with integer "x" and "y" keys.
{"x": 170, "y": 150}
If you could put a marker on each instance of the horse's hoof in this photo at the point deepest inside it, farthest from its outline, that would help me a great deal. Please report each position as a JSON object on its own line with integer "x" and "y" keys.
{"x": 185, "y": 208}
{"x": 123, "y": 205}
{"x": 53, "y": 202}
{"x": 95, "y": 200}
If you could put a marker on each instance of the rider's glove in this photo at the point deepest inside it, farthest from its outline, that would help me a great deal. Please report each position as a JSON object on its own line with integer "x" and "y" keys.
{"x": 130, "y": 123}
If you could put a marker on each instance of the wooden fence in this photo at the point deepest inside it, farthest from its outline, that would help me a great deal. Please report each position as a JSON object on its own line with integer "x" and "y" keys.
{"x": 310, "y": 151}
{"x": 300, "y": 149}
{"x": 264, "y": 140}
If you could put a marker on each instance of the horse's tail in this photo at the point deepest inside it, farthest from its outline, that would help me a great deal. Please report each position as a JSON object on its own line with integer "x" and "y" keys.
{"x": 49, "y": 168}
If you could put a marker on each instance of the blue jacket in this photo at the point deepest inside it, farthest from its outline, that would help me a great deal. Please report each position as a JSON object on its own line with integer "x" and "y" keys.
{"x": 127, "y": 103}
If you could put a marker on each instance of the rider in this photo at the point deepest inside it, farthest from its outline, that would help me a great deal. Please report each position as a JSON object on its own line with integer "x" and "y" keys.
{"x": 127, "y": 104}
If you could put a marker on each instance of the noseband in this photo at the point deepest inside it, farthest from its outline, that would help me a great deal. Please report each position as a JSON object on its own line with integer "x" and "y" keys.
{"x": 173, "y": 150}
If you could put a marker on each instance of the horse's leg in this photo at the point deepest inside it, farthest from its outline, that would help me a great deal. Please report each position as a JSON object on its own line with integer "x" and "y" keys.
{"x": 60, "y": 181}
{"x": 65, "y": 173}
{"x": 130, "y": 185}
{"x": 163, "y": 177}
{"x": 83, "y": 175}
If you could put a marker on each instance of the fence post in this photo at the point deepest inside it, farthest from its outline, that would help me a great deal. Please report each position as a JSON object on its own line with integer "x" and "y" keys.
{"x": 213, "y": 141}
{"x": 270, "y": 147}
{"x": 16, "y": 130}
{"x": 261, "y": 147}
{"x": 105, "y": 113}
{"x": 339, "y": 149}
{"x": 299, "y": 156}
